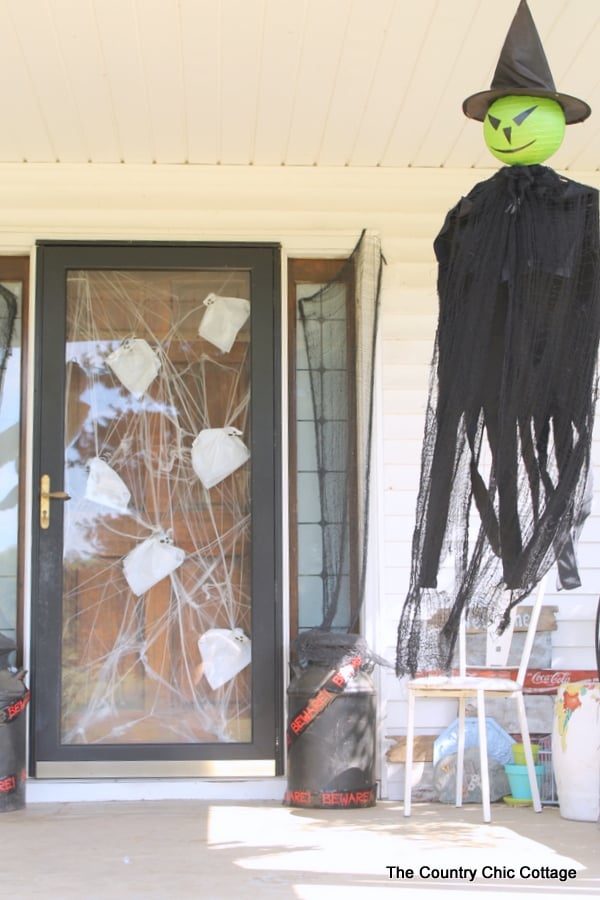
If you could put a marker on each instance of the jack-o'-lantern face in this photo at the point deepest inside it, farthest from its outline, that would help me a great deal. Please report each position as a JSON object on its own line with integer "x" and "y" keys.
{"x": 523, "y": 131}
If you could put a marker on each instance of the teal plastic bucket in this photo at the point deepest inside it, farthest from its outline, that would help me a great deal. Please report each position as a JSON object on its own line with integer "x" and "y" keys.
{"x": 519, "y": 780}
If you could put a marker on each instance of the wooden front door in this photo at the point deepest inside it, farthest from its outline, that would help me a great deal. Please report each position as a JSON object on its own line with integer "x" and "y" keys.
{"x": 156, "y": 605}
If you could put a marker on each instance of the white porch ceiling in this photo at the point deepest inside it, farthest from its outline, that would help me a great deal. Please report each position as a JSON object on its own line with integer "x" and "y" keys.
{"x": 274, "y": 82}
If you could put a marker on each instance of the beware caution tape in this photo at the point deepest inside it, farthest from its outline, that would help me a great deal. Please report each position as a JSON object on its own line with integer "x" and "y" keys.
{"x": 334, "y": 685}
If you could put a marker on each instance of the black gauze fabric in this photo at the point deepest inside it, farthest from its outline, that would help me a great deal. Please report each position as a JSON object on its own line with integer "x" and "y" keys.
{"x": 8, "y": 314}
{"x": 509, "y": 421}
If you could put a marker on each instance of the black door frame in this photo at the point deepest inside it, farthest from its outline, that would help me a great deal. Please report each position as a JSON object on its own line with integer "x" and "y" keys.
{"x": 264, "y": 755}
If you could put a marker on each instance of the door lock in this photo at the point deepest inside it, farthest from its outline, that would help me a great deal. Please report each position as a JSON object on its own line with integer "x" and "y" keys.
{"x": 46, "y": 495}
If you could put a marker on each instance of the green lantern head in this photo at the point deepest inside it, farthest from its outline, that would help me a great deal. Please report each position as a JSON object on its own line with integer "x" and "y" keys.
{"x": 522, "y": 130}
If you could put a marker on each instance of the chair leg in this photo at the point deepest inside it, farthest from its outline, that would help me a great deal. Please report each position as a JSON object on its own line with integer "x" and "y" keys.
{"x": 408, "y": 764}
{"x": 483, "y": 757}
{"x": 460, "y": 750}
{"x": 525, "y": 737}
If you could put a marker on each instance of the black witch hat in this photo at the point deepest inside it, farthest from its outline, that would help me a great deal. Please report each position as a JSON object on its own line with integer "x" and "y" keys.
{"x": 523, "y": 69}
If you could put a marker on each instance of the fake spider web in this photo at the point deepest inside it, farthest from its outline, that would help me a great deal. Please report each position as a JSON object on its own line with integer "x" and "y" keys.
{"x": 132, "y": 668}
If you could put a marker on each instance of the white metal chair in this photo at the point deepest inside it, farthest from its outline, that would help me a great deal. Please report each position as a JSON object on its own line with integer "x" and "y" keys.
{"x": 463, "y": 687}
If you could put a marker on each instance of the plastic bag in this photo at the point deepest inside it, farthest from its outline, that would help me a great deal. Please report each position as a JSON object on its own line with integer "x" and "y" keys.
{"x": 444, "y": 778}
{"x": 499, "y": 741}
{"x": 150, "y": 562}
{"x": 222, "y": 320}
{"x": 216, "y": 453}
{"x": 106, "y": 487}
{"x": 135, "y": 364}
{"x": 224, "y": 653}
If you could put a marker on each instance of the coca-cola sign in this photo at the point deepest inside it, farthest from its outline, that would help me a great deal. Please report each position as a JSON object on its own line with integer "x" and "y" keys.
{"x": 547, "y": 681}
{"x": 540, "y": 681}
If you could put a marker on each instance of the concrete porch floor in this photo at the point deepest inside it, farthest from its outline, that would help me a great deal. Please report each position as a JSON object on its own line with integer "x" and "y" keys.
{"x": 211, "y": 850}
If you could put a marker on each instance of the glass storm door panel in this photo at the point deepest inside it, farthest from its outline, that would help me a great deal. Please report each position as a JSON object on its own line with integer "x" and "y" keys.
{"x": 156, "y": 615}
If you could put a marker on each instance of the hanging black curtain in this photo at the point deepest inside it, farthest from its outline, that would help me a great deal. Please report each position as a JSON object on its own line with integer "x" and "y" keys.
{"x": 8, "y": 314}
{"x": 506, "y": 451}
{"x": 341, "y": 388}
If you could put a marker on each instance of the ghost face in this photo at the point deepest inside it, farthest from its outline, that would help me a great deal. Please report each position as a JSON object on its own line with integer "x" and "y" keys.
{"x": 523, "y": 131}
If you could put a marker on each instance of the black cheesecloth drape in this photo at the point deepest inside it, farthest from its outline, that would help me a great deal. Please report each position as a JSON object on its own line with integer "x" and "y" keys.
{"x": 506, "y": 451}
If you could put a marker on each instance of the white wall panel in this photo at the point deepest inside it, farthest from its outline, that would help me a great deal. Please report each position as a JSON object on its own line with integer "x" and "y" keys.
{"x": 201, "y": 67}
{"x": 49, "y": 80}
{"x": 320, "y": 58}
{"x": 364, "y": 27}
{"x": 407, "y": 28}
{"x": 282, "y": 42}
{"x": 123, "y": 71}
{"x": 78, "y": 45}
{"x": 273, "y": 82}
{"x": 160, "y": 43}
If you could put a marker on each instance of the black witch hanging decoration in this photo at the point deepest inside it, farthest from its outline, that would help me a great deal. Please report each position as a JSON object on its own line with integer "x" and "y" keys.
{"x": 506, "y": 453}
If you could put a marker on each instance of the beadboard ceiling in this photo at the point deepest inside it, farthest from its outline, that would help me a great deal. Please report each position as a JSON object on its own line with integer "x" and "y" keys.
{"x": 274, "y": 82}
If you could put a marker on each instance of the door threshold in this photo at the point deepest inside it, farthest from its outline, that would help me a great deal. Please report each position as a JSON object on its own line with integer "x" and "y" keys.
{"x": 125, "y": 790}
{"x": 156, "y": 768}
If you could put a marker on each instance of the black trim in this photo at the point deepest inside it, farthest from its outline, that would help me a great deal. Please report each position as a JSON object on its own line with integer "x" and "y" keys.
{"x": 263, "y": 263}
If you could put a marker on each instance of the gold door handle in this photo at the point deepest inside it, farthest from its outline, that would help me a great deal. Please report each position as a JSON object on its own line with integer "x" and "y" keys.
{"x": 46, "y": 495}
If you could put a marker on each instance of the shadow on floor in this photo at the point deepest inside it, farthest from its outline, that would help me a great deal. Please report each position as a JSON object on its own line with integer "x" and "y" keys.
{"x": 211, "y": 850}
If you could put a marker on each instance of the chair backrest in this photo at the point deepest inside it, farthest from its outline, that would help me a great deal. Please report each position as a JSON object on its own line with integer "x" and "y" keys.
{"x": 531, "y": 629}
{"x": 498, "y": 646}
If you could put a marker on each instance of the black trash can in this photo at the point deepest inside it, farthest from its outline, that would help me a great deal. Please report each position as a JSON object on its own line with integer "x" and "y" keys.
{"x": 14, "y": 698}
{"x": 331, "y": 738}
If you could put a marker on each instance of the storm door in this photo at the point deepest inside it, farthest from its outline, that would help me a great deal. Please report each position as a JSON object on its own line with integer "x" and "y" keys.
{"x": 156, "y": 545}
